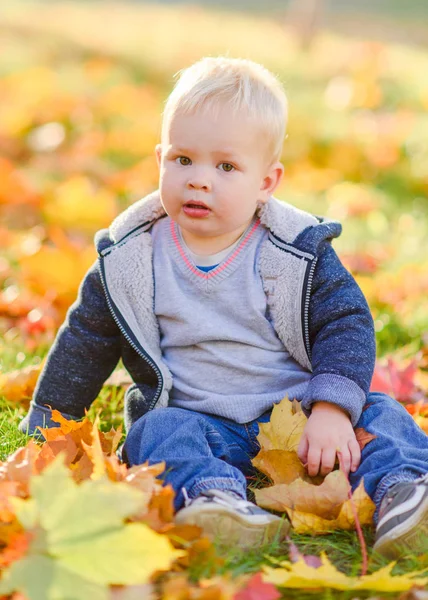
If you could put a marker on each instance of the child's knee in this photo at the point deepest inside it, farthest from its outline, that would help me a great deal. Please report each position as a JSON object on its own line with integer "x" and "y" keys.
{"x": 380, "y": 410}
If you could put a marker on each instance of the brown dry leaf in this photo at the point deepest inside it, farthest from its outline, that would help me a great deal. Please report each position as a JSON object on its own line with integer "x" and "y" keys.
{"x": 18, "y": 386}
{"x": 285, "y": 427}
{"x": 309, "y": 523}
{"x": 282, "y": 466}
{"x": 323, "y": 500}
{"x": 363, "y": 436}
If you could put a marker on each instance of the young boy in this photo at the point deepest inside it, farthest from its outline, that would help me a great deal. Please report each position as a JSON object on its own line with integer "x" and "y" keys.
{"x": 221, "y": 300}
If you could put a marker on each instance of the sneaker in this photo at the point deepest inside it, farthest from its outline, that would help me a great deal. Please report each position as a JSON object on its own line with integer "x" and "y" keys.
{"x": 403, "y": 519}
{"x": 227, "y": 519}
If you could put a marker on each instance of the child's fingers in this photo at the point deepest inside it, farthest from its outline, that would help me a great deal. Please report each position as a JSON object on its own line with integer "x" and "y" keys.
{"x": 302, "y": 451}
{"x": 345, "y": 459}
{"x": 314, "y": 458}
{"x": 328, "y": 458}
{"x": 354, "y": 448}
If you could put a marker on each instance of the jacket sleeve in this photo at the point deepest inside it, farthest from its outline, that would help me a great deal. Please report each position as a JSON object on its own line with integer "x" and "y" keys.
{"x": 85, "y": 352}
{"x": 342, "y": 338}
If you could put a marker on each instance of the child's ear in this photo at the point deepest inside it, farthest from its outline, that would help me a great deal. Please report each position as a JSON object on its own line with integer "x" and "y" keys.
{"x": 158, "y": 153}
{"x": 271, "y": 181}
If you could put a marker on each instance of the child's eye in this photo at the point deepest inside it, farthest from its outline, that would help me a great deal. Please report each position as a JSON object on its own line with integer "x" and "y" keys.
{"x": 183, "y": 160}
{"x": 227, "y": 167}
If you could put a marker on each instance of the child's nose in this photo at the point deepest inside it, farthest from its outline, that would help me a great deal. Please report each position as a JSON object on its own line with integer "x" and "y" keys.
{"x": 198, "y": 182}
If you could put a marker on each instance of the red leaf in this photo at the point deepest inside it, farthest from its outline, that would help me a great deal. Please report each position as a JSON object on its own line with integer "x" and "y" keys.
{"x": 392, "y": 380}
{"x": 257, "y": 589}
{"x": 310, "y": 559}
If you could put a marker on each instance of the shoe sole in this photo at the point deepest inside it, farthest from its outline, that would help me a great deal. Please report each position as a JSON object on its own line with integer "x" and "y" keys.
{"x": 409, "y": 536}
{"x": 226, "y": 528}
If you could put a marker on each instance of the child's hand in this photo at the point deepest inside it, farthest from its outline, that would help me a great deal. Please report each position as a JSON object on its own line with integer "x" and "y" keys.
{"x": 328, "y": 429}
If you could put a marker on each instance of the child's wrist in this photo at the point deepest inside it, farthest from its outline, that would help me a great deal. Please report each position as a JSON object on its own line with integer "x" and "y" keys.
{"x": 323, "y": 406}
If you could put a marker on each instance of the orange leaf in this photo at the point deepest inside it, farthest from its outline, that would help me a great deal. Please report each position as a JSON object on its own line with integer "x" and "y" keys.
{"x": 8, "y": 489}
{"x": 16, "y": 548}
{"x": 20, "y": 466}
{"x": 363, "y": 437}
{"x": 19, "y": 385}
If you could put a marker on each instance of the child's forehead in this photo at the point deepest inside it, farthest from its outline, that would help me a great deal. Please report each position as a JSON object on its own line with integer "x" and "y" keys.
{"x": 224, "y": 129}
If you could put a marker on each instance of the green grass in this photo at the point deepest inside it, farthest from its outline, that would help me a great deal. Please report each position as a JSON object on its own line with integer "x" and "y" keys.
{"x": 11, "y": 438}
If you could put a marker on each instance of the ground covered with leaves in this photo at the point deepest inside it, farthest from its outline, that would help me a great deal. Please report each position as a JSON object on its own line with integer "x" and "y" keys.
{"x": 79, "y": 119}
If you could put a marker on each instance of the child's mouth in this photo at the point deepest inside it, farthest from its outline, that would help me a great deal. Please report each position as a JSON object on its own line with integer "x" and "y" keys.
{"x": 195, "y": 210}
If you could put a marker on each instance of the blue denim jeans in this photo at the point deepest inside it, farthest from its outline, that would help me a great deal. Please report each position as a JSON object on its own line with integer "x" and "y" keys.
{"x": 205, "y": 451}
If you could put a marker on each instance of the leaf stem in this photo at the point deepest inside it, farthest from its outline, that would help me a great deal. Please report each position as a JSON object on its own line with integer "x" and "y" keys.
{"x": 364, "y": 559}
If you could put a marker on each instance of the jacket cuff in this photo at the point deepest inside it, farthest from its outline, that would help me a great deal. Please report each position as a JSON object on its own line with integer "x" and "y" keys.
{"x": 40, "y": 416}
{"x": 338, "y": 390}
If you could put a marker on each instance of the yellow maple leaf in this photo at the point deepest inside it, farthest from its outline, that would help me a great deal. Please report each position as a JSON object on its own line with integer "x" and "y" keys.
{"x": 383, "y": 580}
{"x": 309, "y": 523}
{"x": 284, "y": 430}
{"x": 301, "y": 575}
{"x": 315, "y": 505}
{"x": 317, "y": 509}
{"x": 324, "y": 500}
{"x": 282, "y": 466}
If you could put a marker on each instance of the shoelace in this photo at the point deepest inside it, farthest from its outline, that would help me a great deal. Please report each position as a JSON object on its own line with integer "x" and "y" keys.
{"x": 241, "y": 504}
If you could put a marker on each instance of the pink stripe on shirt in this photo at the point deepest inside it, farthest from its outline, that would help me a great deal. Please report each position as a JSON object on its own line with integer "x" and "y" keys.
{"x": 221, "y": 267}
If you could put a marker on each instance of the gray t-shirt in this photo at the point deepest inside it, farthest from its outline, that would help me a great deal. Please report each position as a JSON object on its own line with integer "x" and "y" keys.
{"x": 216, "y": 335}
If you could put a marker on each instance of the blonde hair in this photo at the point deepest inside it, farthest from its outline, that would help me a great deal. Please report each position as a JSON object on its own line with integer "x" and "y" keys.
{"x": 246, "y": 87}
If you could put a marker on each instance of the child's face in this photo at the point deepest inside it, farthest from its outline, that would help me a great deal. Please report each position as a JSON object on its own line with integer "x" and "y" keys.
{"x": 220, "y": 162}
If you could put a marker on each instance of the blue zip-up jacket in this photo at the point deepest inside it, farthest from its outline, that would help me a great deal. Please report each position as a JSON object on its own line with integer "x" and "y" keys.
{"x": 317, "y": 309}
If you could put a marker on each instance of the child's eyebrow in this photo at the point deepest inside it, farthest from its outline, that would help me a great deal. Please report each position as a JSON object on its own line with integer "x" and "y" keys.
{"x": 225, "y": 153}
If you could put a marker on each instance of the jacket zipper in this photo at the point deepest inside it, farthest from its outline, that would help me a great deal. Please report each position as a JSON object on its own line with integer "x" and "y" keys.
{"x": 137, "y": 347}
{"x": 305, "y": 313}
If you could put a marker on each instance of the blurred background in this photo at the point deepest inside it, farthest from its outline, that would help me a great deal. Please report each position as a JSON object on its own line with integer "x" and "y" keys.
{"x": 82, "y": 86}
